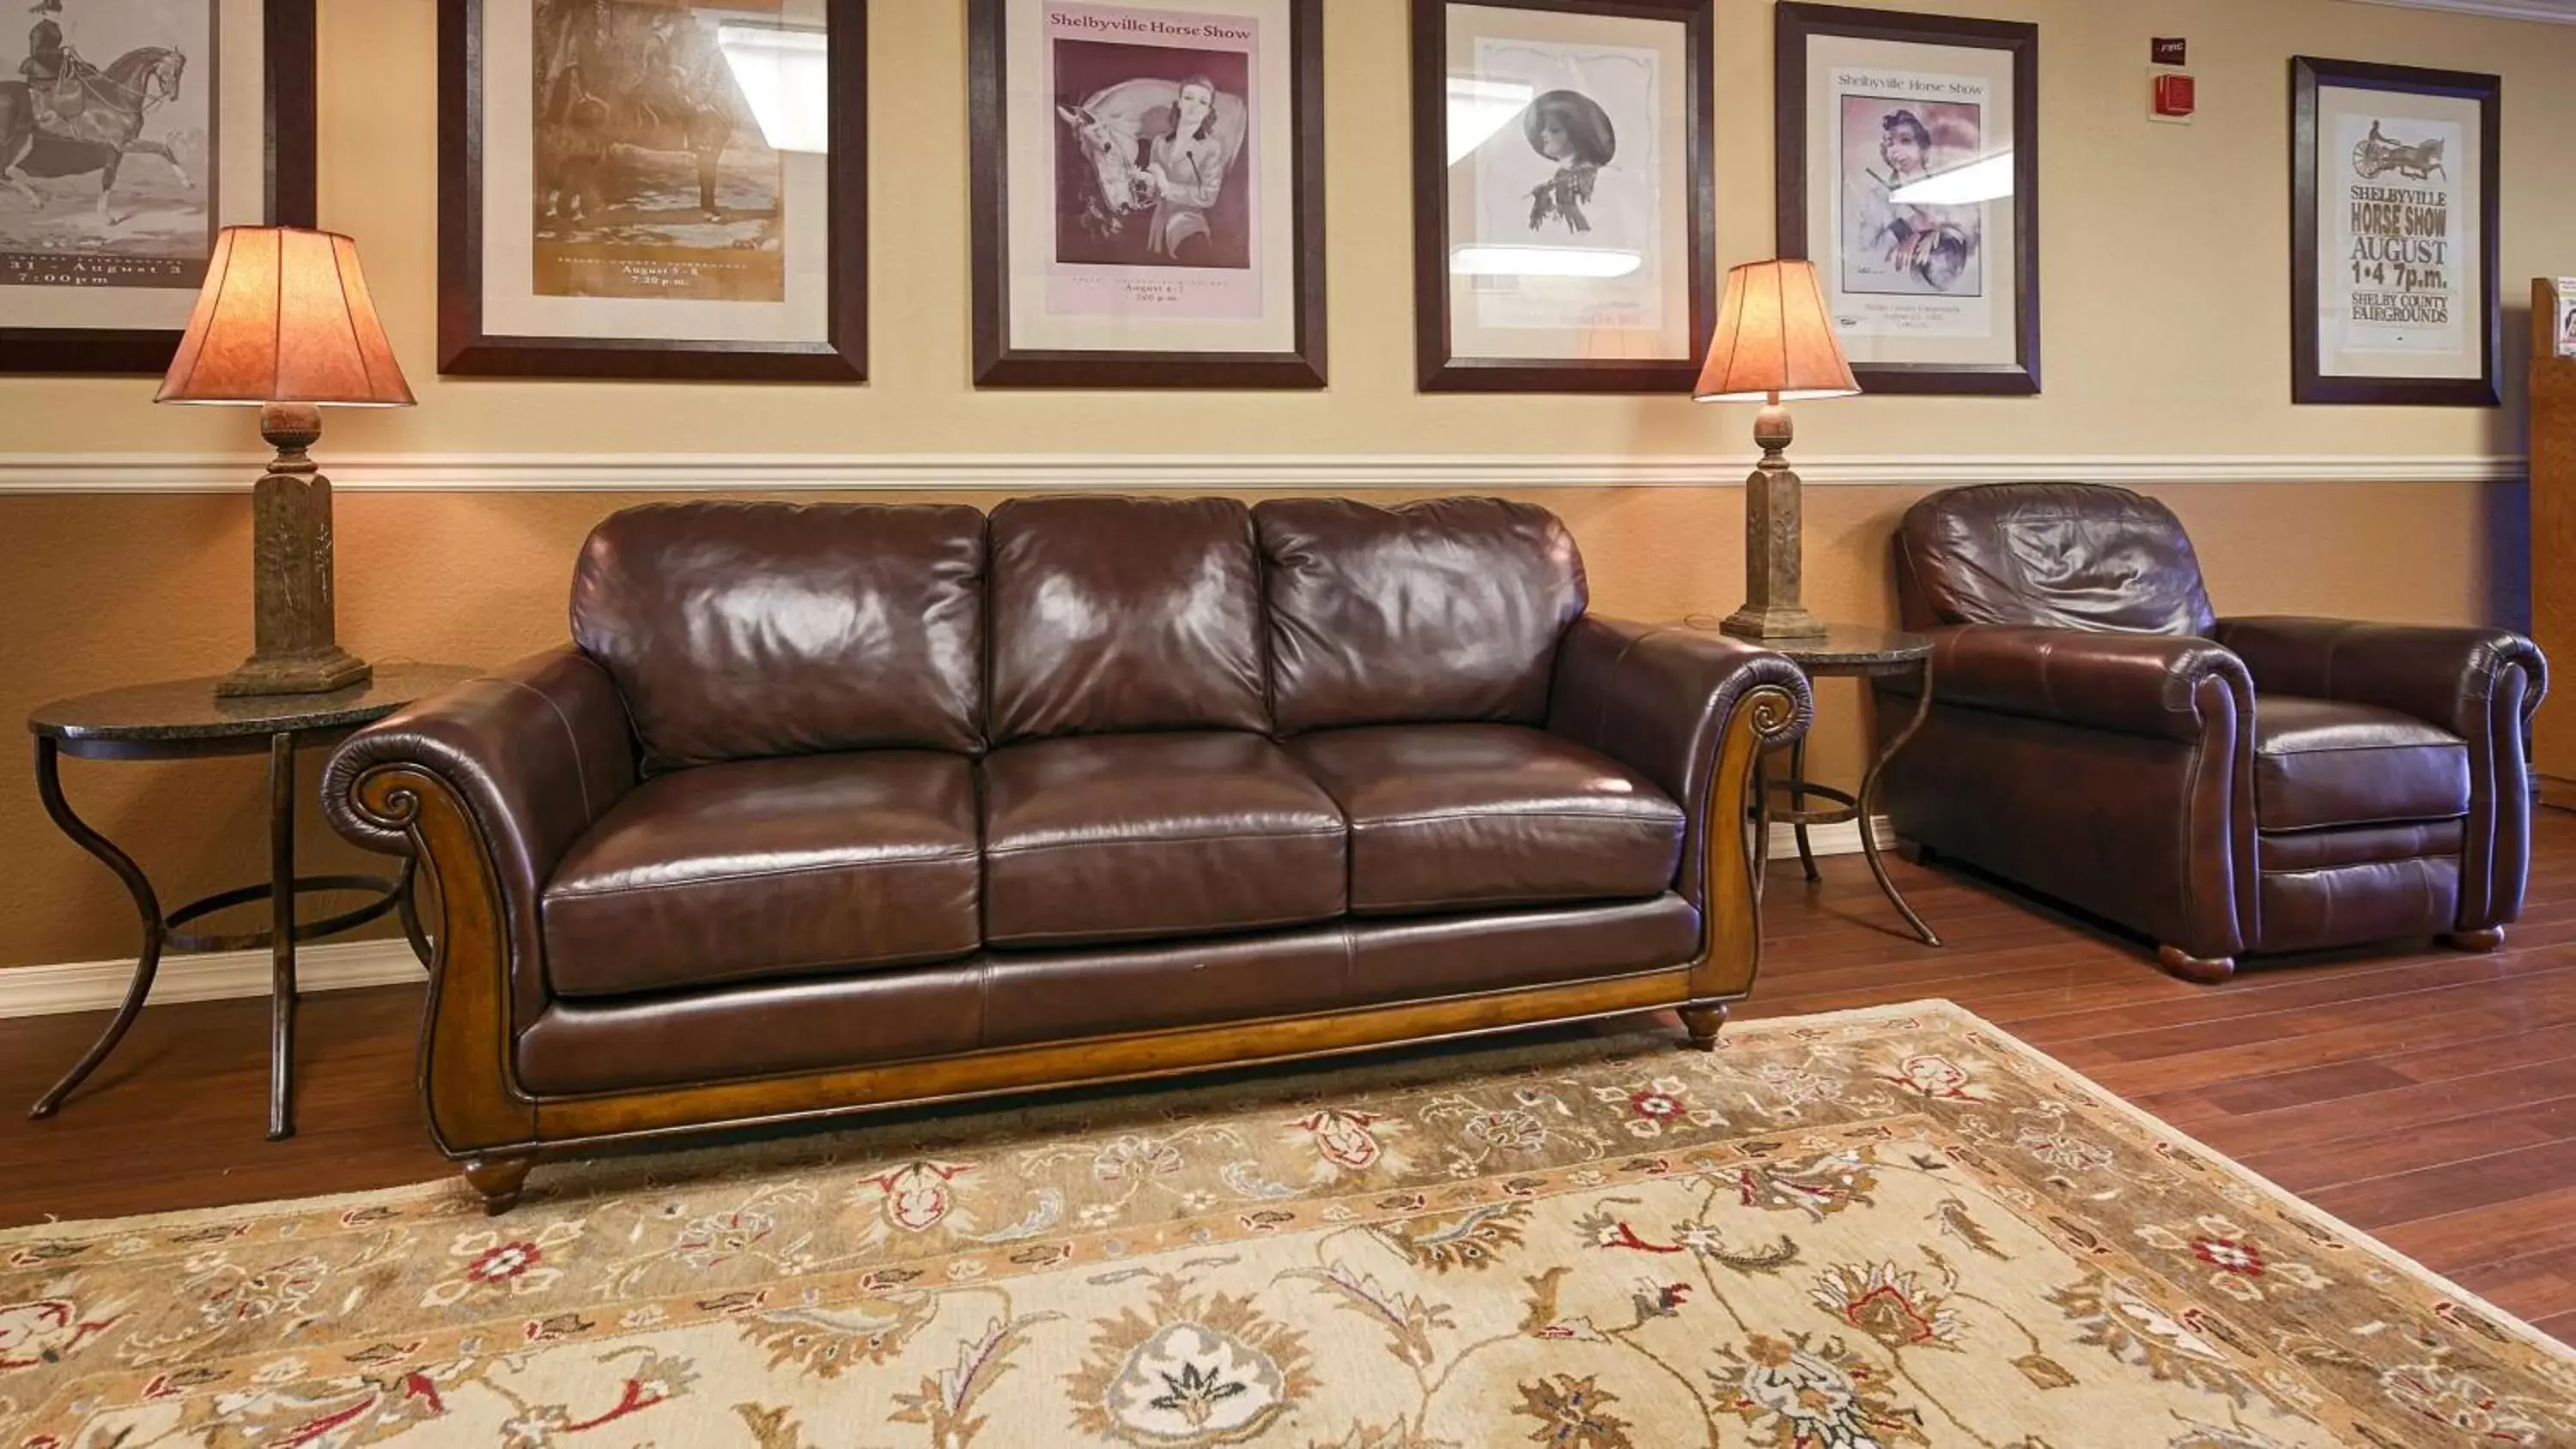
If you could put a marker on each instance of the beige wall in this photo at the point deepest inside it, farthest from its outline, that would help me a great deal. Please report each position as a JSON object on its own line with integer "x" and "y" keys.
{"x": 2165, "y": 262}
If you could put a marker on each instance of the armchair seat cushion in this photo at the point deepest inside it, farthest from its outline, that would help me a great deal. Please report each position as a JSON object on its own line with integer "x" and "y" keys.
{"x": 767, "y": 868}
{"x": 1154, "y": 836}
{"x": 2320, "y": 762}
{"x": 1452, "y": 815}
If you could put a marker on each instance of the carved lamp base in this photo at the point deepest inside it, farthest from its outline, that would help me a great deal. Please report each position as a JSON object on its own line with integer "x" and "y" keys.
{"x": 295, "y": 652}
{"x": 1773, "y": 521}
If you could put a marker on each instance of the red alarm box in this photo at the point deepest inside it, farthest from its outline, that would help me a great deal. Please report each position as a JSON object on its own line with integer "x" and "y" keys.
{"x": 2176, "y": 96}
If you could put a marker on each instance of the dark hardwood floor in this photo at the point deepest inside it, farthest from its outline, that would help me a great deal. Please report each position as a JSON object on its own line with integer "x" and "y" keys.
{"x": 2424, "y": 1095}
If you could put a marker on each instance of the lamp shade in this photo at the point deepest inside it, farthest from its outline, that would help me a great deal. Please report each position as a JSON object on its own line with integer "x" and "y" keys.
{"x": 284, "y": 316}
{"x": 1774, "y": 337}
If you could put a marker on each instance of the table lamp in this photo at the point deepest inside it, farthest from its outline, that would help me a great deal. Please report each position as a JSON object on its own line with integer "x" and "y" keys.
{"x": 1775, "y": 344}
{"x": 284, "y": 322}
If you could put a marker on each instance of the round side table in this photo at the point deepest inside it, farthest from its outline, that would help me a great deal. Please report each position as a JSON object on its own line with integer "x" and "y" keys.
{"x": 186, "y": 720}
{"x": 1844, "y": 651}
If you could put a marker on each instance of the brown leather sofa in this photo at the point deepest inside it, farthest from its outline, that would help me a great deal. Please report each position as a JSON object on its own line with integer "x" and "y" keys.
{"x": 838, "y": 806}
{"x": 2223, "y": 786}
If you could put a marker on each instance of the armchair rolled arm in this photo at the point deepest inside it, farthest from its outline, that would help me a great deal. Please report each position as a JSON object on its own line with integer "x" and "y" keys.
{"x": 2448, "y": 677}
{"x": 534, "y": 753}
{"x": 2159, "y": 685}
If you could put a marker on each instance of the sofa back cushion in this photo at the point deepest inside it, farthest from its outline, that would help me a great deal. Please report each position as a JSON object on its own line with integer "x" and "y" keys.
{"x": 2053, "y": 555}
{"x": 1446, "y": 609}
{"x": 1116, "y": 614}
{"x": 749, "y": 630}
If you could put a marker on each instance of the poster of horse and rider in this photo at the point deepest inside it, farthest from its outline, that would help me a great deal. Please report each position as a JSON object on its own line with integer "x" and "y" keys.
{"x": 1148, "y": 203}
{"x": 653, "y": 177}
{"x": 107, "y": 134}
{"x": 664, "y": 188}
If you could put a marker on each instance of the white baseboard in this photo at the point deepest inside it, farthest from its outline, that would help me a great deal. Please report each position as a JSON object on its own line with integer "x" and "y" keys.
{"x": 203, "y": 976}
{"x": 70, "y": 986}
{"x": 1843, "y": 839}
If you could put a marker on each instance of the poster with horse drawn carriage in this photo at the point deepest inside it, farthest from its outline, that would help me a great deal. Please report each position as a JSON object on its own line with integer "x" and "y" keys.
{"x": 1147, "y": 193}
{"x": 654, "y": 188}
{"x": 131, "y": 132}
{"x": 2393, "y": 221}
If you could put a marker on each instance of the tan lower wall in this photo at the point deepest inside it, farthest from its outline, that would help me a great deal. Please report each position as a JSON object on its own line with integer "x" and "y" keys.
{"x": 98, "y": 591}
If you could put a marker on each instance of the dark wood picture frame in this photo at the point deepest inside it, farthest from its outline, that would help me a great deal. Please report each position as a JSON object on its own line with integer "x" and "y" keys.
{"x": 1798, "y": 21}
{"x": 1438, "y": 369}
{"x": 466, "y": 350}
{"x": 289, "y": 163}
{"x": 2309, "y": 384}
{"x": 999, "y": 364}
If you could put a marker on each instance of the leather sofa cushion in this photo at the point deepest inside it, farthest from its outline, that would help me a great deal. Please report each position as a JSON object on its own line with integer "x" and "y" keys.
{"x": 1020, "y": 998}
{"x": 1464, "y": 815}
{"x": 2320, "y": 762}
{"x": 1118, "y": 614}
{"x": 1138, "y": 837}
{"x": 1446, "y": 609}
{"x": 764, "y": 868}
{"x": 2055, "y": 555}
{"x": 745, "y": 630}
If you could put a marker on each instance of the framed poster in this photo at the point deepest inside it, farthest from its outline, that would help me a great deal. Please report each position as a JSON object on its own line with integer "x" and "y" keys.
{"x": 141, "y": 129}
{"x": 2393, "y": 194}
{"x": 653, "y": 188}
{"x": 1148, "y": 192}
{"x": 1565, "y": 204}
{"x": 1909, "y": 174}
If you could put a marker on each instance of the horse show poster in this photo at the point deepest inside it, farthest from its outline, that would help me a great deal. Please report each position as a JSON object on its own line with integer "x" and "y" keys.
{"x": 1159, "y": 174}
{"x": 107, "y": 156}
{"x": 2400, "y": 248}
{"x": 652, "y": 177}
{"x": 2397, "y": 277}
{"x": 1905, "y": 267}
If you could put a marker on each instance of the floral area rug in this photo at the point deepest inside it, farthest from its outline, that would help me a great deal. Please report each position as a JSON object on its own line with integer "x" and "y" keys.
{"x": 1877, "y": 1229}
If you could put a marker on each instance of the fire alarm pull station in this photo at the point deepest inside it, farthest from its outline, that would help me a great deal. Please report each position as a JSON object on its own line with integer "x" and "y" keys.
{"x": 2173, "y": 94}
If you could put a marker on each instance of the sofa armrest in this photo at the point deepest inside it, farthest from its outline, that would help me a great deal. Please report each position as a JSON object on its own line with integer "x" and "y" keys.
{"x": 2158, "y": 685}
{"x": 534, "y": 753}
{"x": 1660, "y": 699}
{"x": 2446, "y": 677}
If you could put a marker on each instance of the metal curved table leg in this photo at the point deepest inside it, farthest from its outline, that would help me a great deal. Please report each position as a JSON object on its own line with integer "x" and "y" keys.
{"x": 1868, "y": 807}
{"x": 147, "y": 906}
{"x": 1759, "y": 788}
{"x": 407, "y": 902}
{"x": 281, "y": 941}
{"x": 1798, "y": 807}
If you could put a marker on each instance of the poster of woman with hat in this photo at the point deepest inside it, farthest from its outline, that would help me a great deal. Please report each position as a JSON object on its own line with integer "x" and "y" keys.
{"x": 1571, "y": 208}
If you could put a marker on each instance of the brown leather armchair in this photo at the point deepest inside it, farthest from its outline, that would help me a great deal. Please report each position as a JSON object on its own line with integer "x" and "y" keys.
{"x": 840, "y": 806}
{"x": 2224, "y": 786}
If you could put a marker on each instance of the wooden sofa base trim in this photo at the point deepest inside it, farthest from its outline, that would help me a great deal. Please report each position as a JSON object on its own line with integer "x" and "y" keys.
{"x": 567, "y": 1126}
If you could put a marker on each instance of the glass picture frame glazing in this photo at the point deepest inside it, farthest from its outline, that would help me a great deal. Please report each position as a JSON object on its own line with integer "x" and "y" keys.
{"x": 148, "y": 127}
{"x": 1908, "y": 172}
{"x": 1565, "y": 196}
{"x": 653, "y": 189}
{"x": 1148, "y": 193}
{"x": 2394, "y": 228}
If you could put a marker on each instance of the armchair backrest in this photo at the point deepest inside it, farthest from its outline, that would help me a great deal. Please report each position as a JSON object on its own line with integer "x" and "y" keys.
{"x": 2052, "y": 555}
